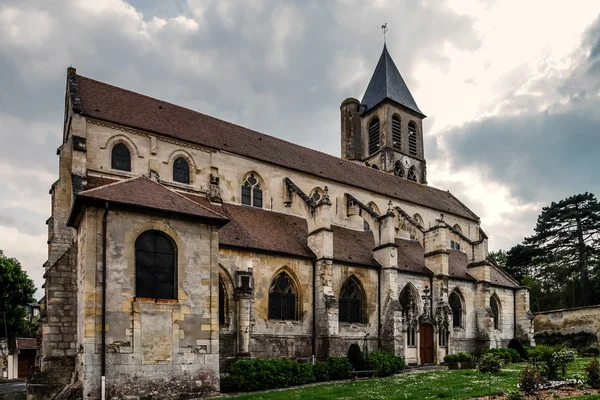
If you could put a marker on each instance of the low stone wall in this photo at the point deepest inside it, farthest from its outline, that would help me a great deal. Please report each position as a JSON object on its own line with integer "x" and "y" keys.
{"x": 578, "y": 327}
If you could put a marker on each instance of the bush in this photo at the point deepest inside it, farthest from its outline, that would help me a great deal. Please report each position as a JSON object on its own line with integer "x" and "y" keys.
{"x": 593, "y": 351}
{"x": 355, "y": 357}
{"x": 518, "y": 346}
{"x": 339, "y": 368}
{"x": 302, "y": 373}
{"x": 530, "y": 380}
{"x": 593, "y": 374}
{"x": 554, "y": 360}
{"x": 450, "y": 358}
{"x": 506, "y": 355}
{"x": 514, "y": 395}
{"x": 321, "y": 371}
{"x": 489, "y": 364}
{"x": 464, "y": 357}
{"x": 515, "y": 357}
{"x": 385, "y": 363}
{"x": 269, "y": 373}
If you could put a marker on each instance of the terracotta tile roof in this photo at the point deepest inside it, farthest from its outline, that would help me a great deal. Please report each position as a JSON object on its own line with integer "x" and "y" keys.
{"x": 106, "y": 102}
{"x": 500, "y": 278}
{"x": 457, "y": 265}
{"x": 411, "y": 257}
{"x": 25, "y": 344}
{"x": 145, "y": 193}
{"x": 97, "y": 181}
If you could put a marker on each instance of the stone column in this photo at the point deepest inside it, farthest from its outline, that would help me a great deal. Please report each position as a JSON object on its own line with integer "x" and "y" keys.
{"x": 243, "y": 296}
{"x": 524, "y": 317}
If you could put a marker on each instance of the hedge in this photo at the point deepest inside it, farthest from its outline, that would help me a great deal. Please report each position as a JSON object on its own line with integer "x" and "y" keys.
{"x": 384, "y": 363}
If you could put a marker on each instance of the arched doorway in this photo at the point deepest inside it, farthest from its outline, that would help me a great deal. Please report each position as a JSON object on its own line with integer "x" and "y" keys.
{"x": 426, "y": 343}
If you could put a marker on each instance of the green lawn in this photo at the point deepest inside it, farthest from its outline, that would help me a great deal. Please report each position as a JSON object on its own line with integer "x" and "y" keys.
{"x": 427, "y": 385}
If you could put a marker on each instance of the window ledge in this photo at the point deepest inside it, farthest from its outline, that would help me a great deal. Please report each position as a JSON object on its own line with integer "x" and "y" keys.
{"x": 157, "y": 301}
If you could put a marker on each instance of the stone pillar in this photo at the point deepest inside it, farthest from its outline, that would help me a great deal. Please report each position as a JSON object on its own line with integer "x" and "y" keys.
{"x": 524, "y": 317}
{"x": 484, "y": 319}
{"x": 435, "y": 245}
{"x": 243, "y": 296}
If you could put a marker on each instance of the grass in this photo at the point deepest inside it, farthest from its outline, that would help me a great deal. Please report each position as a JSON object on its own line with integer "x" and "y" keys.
{"x": 456, "y": 384}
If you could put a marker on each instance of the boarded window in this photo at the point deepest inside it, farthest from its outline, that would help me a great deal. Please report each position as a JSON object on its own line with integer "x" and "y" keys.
{"x": 456, "y": 306}
{"x": 120, "y": 158}
{"x": 351, "y": 302}
{"x": 396, "y": 133}
{"x": 155, "y": 266}
{"x": 374, "y": 135}
{"x": 283, "y": 298}
{"x": 252, "y": 194}
{"x": 412, "y": 138}
{"x": 181, "y": 170}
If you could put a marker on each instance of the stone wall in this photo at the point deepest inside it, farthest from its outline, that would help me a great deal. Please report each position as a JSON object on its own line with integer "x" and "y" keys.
{"x": 582, "y": 321}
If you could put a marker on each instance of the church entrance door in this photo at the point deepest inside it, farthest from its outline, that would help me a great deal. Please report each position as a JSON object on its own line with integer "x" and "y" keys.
{"x": 426, "y": 343}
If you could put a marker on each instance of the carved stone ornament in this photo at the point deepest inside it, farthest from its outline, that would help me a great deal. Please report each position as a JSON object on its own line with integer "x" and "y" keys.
{"x": 442, "y": 315}
{"x": 412, "y": 319}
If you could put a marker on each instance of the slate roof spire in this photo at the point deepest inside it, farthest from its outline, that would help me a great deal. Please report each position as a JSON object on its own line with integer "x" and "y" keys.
{"x": 387, "y": 83}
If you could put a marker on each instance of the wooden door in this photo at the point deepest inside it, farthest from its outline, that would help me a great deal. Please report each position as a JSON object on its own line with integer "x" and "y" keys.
{"x": 23, "y": 370}
{"x": 426, "y": 343}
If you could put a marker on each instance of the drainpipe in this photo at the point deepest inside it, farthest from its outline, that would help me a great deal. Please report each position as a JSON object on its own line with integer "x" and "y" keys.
{"x": 515, "y": 313}
{"x": 314, "y": 311}
{"x": 103, "y": 347}
{"x": 379, "y": 308}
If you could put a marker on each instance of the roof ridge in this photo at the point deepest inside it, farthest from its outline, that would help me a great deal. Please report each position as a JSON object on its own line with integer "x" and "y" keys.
{"x": 191, "y": 201}
{"x": 85, "y": 192}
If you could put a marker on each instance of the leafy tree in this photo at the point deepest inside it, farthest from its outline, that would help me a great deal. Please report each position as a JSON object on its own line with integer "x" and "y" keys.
{"x": 566, "y": 240}
{"x": 499, "y": 258}
{"x": 17, "y": 291}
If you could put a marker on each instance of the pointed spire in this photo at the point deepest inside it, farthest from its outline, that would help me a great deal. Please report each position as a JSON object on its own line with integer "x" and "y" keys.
{"x": 387, "y": 83}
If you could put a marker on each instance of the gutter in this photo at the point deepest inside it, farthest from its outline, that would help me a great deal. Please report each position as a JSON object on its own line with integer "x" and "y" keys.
{"x": 103, "y": 346}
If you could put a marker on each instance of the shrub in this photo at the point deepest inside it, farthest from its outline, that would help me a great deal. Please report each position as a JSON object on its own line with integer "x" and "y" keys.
{"x": 489, "y": 364}
{"x": 593, "y": 373}
{"x": 464, "y": 357}
{"x": 339, "y": 368}
{"x": 530, "y": 380}
{"x": 514, "y": 355}
{"x": 593, "y": 351}
{"x": 450, "y": 358}
{"x": 269, "y": 373}
{"x": 514, "y": 395}
{"x": 385, "y": 363}
{"x": 577, "y": 340}
{"x": 554, "y": 360}
{"x": 302, "y": 373}
{"x": 518, "y": 346}
{"x": 321, "y": 371}
{"x": 355, "y": 357}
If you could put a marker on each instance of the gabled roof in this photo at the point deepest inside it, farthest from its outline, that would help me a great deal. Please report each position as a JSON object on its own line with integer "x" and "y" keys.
{"x": 25, "y": 344}
{"x": 109, "y": 103}
{"x": 387, "y": 83}
{"x": 144, "y": 193}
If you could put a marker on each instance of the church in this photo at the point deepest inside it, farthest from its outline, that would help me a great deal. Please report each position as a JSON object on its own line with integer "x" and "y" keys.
{"x": 179, "y": 243}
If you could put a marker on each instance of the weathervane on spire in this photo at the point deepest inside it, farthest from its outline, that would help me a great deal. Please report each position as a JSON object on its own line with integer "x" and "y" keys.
{"x": 384, "y": 30}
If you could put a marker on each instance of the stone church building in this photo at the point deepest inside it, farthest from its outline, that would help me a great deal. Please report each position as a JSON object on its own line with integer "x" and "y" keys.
{"x": 179, "y": 243}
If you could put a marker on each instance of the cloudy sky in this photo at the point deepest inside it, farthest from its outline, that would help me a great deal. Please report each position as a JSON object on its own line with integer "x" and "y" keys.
{"x": 511, "y": 88}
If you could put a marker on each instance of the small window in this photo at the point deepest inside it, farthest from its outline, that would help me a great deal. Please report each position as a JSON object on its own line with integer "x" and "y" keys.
{"x": 120, "y": 158}
{"x": 351, "y": 302}
{"x": 495, "y": 307}
{"x": 411, "y": 176}
{"x": 454, "y": 245}
{"x": 252, "y": 194}
{"x": 396, "y": 133}
{"x": 374, "y": 136}
{"x": 457, "y": 309}
{"x": 283, "y": 297}
{"x": 181, "y": 171}
{"x": 412, "y": 138}
{"x": 411, "y": 337}
{"x": 398, "y": 169}
{"x": 155, "y": 266}
{"x": 443, "y": 335}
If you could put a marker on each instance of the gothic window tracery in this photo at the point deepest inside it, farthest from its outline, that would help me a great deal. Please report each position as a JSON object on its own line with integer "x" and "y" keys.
{"x": 252, "y": 194}
{"x": 283, "y": 298}
{"x": 351, "y": 302}
{"x": 374, "y": 136}
{"x": 396, "y": 133}
{"x": 155, "y": 266}
{"x": 412, "y": 138}
{"x": 457, "y": 310}
{"x": 411, "y": 176}
{"x": 120, "y": 158}
{"x": 181, "y": 170}
{"x": 399, "y": 169}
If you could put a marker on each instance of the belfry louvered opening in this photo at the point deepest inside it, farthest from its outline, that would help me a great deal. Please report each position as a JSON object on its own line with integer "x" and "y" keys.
{"x": 412, "y": 138}
{"x": 374, "y": 135}
{"x": 396, "y": 133}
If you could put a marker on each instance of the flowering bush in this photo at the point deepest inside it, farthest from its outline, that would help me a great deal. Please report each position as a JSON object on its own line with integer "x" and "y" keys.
{"x": 563, "y": 358}
{"x": 530, "y": 380}
{"x": 552, "y": 360}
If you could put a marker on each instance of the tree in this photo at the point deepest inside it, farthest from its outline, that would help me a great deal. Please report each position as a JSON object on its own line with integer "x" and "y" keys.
{"x": 566, "y": 237}
{"x": 499, "y": 257}
{"x": 17, "y": 291}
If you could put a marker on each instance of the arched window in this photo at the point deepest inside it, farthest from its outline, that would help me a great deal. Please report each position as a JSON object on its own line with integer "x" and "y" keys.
{"x": 411, "y": 176}
{"x": 252, "y": 192}
{"x": 155, "y": 266}
{"x": 222, "y": 302}
{"x": 396, "y": 133}
{"x": 412, "y": 138}
{"x": 399, "y": 169}
{"x": 316, "y": 195}
{"x": 120, "y": 158}
{"x": 495, "y": 306}
{"x": 408, "y": 302}
{"x": 351, "y": 302}
{"x": 283, "y": 298}
{"x": 457, "y": 309}
{"x": 374, "y": 136}
{"x": 181, "y": 170}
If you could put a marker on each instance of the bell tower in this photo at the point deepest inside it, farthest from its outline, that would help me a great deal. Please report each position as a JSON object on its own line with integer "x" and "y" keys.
{"x": 385, "y": 129}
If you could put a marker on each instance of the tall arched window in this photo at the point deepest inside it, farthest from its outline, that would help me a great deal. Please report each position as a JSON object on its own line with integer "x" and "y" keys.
{"x": 396, "y": 133}
{"x": 495, "y": 306}
{"x": 457, "y": 309}
{"x": 120, "y": 158}
{"x": 374, "y": 135}
{"x": 351, "y": 302}
{"x": 252, "y": 194}
{"x": 408, "y": 302}
{"x": 222, "y": 302}
{"x": 181, "y": 170}
{"x": 283, "y": 298}
{"x": 399, "y": 169}
{"x": 155, "y": 266}
{"x": 412, "y": 138}
{"x": 411, "y": 176}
